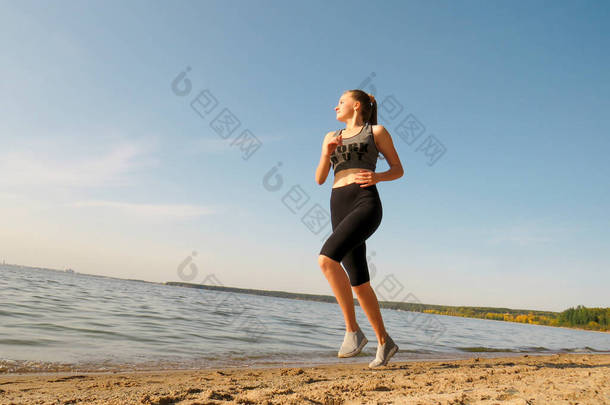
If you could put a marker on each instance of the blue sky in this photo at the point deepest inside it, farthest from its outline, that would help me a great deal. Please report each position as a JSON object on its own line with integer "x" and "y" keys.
{"x": 105, "y": 169}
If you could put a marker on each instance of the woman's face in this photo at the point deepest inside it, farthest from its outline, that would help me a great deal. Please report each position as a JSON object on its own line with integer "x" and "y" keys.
{"x": 345, "y": 108}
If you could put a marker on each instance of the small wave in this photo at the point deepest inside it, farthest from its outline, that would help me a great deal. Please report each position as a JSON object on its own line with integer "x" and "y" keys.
{"x": 531, "y": 349}
{"x": 27, "y": 342}
{"x": 485, "y": 349}
{"x": 534, "y": 349}
{"x": 582, "y": 350}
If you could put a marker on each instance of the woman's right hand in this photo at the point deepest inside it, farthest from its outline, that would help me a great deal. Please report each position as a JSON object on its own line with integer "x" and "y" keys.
{"x": 332, "y": 144}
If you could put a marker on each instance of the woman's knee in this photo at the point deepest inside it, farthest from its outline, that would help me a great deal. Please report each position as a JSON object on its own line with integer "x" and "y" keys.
{"x": 325, "y": 262}
{"x": 363, "y": 287}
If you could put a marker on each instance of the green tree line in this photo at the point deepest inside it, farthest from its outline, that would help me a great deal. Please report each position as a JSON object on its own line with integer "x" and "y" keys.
{"x": 581, "y": 317}
{"x": 588, "y": 318}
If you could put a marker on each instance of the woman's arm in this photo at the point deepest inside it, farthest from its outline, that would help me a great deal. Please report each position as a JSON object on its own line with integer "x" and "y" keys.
{"x": 384, "y": 143}
{"x": 324, "y": 165}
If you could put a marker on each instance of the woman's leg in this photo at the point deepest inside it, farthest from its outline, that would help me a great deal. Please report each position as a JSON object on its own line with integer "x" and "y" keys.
{"x": 370, "y": 305}
{"x": 357, "y": 268}
{"x": 356, "y": 214}
{"x": 341, "y": 204}
{"x": 340, "y": 285}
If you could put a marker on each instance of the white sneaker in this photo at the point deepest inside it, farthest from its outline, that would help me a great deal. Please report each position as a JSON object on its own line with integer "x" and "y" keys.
{"x": 353, "y": 342}
{"x": 384, "y": 353}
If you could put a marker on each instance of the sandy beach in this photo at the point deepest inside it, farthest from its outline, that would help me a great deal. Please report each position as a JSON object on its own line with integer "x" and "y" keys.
{"x": 527, "y": 379}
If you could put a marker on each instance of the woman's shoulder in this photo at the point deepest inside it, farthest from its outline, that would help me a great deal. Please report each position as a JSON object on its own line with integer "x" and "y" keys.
{"x": 377, "y": 128}
{"x": 379, "y": 132}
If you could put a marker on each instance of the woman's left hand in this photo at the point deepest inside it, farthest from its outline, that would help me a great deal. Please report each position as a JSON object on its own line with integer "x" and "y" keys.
{"x": 366, "y": 178}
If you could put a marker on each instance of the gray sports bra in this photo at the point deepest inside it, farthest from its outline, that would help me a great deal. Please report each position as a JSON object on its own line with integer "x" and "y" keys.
{"x": 358, "y": 151}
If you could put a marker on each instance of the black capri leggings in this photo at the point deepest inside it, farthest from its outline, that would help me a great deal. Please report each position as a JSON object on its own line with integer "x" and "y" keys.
{"x": 355, "y": 214}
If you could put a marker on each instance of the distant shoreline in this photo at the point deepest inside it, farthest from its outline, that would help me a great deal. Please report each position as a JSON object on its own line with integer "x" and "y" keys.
{"x": 403, "y": 306}
{"x": 413, "y": 307}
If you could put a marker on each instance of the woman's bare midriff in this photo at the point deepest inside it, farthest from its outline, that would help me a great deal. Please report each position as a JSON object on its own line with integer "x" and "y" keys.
{"x": 347, "y": 176}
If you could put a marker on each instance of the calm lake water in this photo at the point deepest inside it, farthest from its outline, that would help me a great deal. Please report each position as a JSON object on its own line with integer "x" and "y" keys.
{"x": 55, "y": 321}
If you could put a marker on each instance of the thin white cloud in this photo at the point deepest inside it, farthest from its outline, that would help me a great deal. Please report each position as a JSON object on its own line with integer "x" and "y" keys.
{"x": 523, "y": 234}
{"x": 149, "y": 210}
{"x": 29, "y": 167}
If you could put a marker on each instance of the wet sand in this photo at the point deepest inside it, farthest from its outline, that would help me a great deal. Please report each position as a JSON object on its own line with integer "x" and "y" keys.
{"x": 533, "y": 379}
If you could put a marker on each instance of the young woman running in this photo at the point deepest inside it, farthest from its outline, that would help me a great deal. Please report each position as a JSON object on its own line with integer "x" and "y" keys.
{"x": 356, "y": 213}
